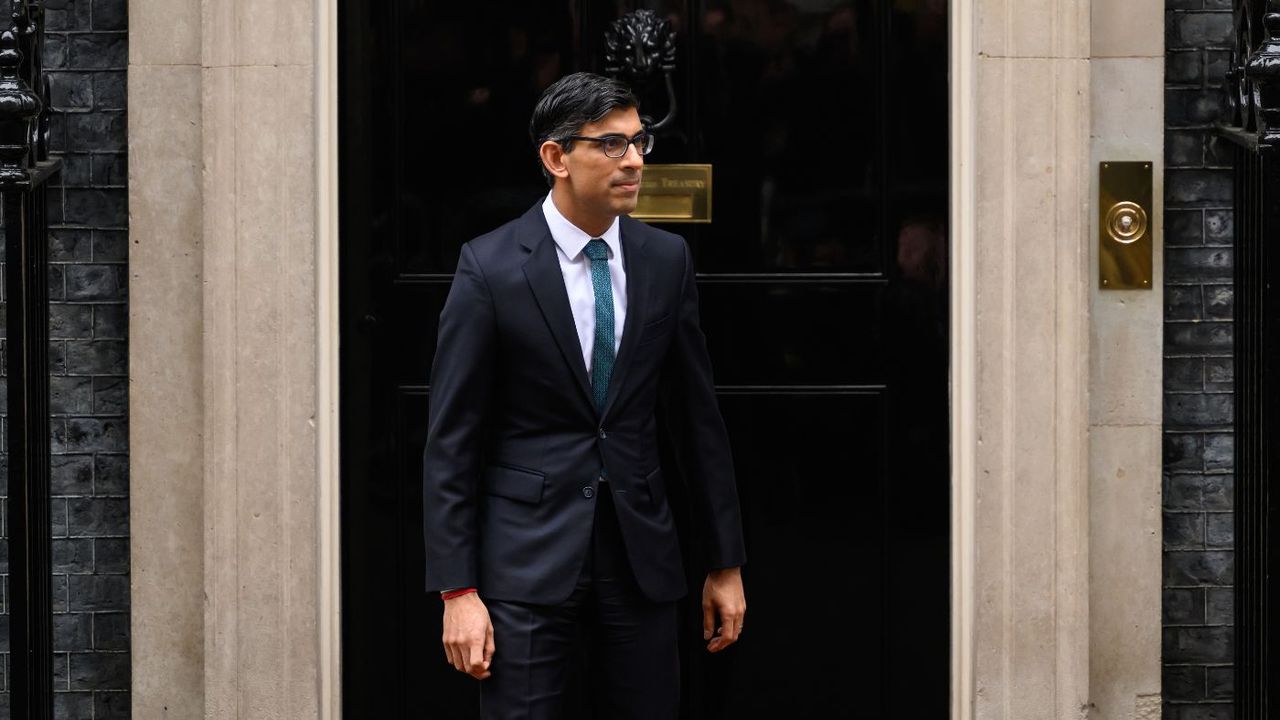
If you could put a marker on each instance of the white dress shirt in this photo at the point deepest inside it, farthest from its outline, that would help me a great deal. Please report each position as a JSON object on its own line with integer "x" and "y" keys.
{"x": 576, "y": 268}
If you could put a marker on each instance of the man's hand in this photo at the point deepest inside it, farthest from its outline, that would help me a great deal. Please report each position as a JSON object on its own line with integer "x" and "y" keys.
{"x": 722, "y": 595}
{"x": 468, "y": 635}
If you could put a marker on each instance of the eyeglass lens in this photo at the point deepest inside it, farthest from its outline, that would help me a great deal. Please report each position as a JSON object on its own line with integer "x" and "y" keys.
{"x": 616, "y": 146}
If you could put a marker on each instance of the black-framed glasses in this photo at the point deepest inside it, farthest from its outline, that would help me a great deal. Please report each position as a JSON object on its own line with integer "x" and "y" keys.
{"x": 615, "y": 146}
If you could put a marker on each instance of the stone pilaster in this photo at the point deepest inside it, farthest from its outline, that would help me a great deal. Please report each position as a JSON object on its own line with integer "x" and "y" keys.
{"x": 260, "y": 484}
{"x": 1022, "y": 293}
{"x": 227, "y": 512}
{"x": 1126, "y": 367}
{"x": 166, "y": 404}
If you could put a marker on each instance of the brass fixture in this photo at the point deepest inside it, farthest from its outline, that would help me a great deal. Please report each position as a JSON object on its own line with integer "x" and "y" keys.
{"x": 1124, "y": 226}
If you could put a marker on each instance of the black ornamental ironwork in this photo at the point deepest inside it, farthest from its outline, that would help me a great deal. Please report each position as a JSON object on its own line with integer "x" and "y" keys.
{"x": 26, "y": 172}
{"x": 1253, "y": 74}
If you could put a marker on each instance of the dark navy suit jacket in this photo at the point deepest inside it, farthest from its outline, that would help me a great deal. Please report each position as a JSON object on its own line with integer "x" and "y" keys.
{"x": 515, "y": 445}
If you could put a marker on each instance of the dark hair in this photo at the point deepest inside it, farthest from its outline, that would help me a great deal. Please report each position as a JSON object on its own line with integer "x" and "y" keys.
{"x": 571, "y": 102}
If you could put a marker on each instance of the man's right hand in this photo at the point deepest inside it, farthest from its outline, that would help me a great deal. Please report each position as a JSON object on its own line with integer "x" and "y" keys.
{"x": 468, "y": 635}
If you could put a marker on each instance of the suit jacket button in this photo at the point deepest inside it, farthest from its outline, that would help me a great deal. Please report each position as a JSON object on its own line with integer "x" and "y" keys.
{"x": 603, "y": 434}
{"x": 588, "y": 492}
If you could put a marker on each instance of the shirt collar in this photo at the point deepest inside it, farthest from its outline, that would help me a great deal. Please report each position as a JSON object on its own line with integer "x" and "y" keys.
{"x": 570, "y": 238}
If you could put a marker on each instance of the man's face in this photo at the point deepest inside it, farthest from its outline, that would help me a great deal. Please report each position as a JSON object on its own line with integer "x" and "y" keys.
{"x": 597, "y": 182}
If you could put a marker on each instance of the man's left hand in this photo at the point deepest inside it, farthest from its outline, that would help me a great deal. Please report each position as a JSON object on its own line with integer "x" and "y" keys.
{"x": 722, "y": 596}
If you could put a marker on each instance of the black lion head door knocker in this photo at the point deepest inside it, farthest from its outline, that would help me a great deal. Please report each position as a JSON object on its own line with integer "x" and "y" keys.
{"x": 639, "y": 46}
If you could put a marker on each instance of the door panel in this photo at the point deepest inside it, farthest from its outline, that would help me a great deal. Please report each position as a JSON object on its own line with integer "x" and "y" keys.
{"x": 803, "y": 333}
{"x": 823, "y": 287}
{"x": 811, "y": 470}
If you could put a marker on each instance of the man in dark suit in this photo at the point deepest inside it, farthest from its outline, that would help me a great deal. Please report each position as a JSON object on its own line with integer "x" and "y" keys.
{"x": 565, "y": 332}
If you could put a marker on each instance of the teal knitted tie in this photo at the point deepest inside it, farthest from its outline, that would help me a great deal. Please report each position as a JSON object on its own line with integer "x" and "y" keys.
{"x": 602, "y": 349}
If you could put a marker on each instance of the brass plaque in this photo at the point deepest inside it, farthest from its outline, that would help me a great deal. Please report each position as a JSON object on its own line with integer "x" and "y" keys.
{"x": 1124, "y": 225}
{"x": 676, "y": 193}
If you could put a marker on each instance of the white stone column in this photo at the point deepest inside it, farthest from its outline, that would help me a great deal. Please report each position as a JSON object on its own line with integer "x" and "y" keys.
{"x": 166, "y": 410}
{"x": 1126, "y": 372}
{"x": 227, "y": 498}
{"x": 261, "y": 488}
{"x": 1021, "y": 359}
{"x": 1056, "y": 384}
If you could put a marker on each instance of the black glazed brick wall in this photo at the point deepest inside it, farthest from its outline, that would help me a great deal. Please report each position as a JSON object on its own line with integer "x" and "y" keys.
{"x": 1198, "y": 399}
{"x": 86, "y": 58}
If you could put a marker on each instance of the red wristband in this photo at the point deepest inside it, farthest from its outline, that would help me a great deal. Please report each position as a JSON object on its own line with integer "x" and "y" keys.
{"x": 455, "y": 593}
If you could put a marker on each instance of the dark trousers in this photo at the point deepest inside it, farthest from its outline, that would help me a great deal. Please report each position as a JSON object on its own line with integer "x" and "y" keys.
{"x": 634, "y": 672}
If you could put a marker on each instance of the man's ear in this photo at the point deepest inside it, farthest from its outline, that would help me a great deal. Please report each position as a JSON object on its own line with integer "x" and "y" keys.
{"x": 553, "y": 159}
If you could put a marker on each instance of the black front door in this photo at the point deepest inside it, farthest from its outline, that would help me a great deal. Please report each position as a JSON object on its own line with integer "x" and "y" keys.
{"x": 823, "y": 281}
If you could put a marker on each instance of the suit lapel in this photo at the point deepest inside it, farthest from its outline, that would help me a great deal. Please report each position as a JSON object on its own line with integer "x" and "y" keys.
{"x": 635, "y": 262}
{"x": 542, "y": 270}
